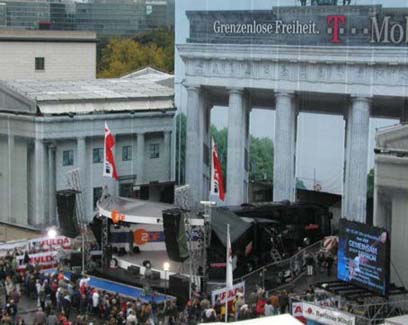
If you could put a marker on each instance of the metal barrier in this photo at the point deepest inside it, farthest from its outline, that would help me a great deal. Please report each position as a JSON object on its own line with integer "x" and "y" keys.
{"x": 365, "y": 313}
{"x": 279, "y": 274}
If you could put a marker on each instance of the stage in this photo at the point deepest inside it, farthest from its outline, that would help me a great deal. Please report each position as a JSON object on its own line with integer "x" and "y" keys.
{"x": 157, "y": 260}
{"x": 103, "y": 281}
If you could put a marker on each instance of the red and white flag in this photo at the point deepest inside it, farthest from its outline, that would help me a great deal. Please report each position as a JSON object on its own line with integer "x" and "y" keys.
{"x": 229, "y": 277}
{"x": 109, "y": 168}
{"x": 217, "y": 183}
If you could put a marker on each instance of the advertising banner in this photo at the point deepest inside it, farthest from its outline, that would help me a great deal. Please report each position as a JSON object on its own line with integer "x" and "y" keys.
{"x": 222, "y": 294}
{"x": 324, "y": 315}
{"x": 45, "y": 259}
{"x": 40, "y": 244}
{"x": 46, "y": 243}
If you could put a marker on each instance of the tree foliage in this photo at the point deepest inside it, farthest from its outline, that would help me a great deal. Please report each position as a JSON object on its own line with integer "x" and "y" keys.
{"x": 261, "y": 159}
{"x": 260, "y": 152}
{"x": 121, "y": 56}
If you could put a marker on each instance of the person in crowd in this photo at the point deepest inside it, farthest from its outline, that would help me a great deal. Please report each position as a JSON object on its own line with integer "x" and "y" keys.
{"x": 40, "y": 318}
{"x": 284, "y": 302}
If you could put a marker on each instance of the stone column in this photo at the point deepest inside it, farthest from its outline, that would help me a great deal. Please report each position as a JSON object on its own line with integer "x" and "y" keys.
{"x": 173, "y": 154}
{"x": 52, "y": 191}
{"x": 236, "y": 148}
{"x": 140, "y": 155}
{"x": 382, "y": 208}
{"x": 167, "y": 154}
{"x": 83, "y": 173}
{"x": 404, "y": 112}
{"x": 40, "y": 154}
{"x": 12, "y": 198}
{"x": 194, "y": 144}
{"x": 355, "y": 184}
{"x": 284, "y": 178}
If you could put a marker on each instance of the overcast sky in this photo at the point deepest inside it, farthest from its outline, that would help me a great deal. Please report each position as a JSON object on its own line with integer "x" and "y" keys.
{"x": 320, "y": 138}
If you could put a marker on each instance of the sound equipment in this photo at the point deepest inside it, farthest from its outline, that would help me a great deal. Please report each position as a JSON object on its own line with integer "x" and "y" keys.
{"x": 134, "y": 270}
{"x": 108, "y": 253}
{"x": 96, "y": 227}
{"x": 66, "y": 213}
{"x": 175, "y": 235}
{"x": 76, "y": 259}
{"x": 179, "y": 287}
{"x": 155, "y": 275}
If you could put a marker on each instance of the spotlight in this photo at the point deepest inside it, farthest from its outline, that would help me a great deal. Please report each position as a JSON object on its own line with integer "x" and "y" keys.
{"x": 166, "y": 266}
{"x": 52, "y": 233}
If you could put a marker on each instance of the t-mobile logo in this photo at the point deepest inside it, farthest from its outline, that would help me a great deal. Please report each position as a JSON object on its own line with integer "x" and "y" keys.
{"x": 334, "y": 23}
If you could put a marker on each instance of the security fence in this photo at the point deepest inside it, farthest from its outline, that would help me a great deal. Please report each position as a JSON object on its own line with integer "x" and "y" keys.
{"x": 278, "y": 274}
{"x": 336, "y": 308}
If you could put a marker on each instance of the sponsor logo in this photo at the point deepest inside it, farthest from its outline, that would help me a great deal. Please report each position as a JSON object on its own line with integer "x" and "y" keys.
{"x": 142, "y": 237}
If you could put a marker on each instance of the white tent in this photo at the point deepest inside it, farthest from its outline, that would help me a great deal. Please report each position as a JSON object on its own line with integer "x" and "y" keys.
{"x": 272, "y": 320}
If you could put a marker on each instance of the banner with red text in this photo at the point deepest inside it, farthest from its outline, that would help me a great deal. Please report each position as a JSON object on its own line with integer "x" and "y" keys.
{"x": 221, "y": 294}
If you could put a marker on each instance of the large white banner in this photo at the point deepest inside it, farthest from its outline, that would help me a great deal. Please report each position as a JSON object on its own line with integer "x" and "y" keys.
{"x": 45, "y": 259}
{"x": 45, "y": 243}
{"x": 40, "y": 244}
{"x": 222, "y": 294}
{"x": 326, "y": 316}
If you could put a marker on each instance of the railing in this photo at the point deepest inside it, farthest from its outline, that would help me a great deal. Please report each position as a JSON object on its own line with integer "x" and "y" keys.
{"x": 370, "y": 311}
{"x": 278, "y": 274}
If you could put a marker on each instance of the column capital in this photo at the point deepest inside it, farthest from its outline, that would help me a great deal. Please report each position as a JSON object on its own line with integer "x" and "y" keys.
{"x": 235, "y": 90}
{"x": 284, "y": 93}
{"x": 361, "y": 98}
{"x": 192, "y": 86}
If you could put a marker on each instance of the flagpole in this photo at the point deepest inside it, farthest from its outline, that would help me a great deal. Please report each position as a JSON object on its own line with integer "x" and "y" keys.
{"x": 226, "y": 273}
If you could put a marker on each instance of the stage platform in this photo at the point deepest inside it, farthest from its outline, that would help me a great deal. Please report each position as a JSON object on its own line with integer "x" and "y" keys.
{"x": 157, "y": 260}
{"x": 123, "y": 289}
{"x": 123, "y": 276}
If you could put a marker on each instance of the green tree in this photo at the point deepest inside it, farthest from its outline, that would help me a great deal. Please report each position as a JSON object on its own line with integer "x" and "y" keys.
{"x": 122, "y": 56}
{"x": 164, "y": 39}
{"x": 261, "y": 158}
{"x": 300, "y": 185}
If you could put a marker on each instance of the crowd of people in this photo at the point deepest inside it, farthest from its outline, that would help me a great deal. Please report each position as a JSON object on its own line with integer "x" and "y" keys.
{"x": 62, "y": 300}
{"x": 59, "y": 300}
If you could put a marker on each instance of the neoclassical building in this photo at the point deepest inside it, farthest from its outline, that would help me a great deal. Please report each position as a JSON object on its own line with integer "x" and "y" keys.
{"x": 391, "y": 195}
{"x": 50, "y": 128}
{"x": 343, "y": 60}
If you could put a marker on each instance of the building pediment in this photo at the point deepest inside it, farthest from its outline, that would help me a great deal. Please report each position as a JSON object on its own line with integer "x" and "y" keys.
{"x": 14, "y": 102}
{"x": 394, "y": 138}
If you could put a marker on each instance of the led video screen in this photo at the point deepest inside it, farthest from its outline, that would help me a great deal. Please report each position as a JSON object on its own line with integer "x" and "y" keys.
{"x": 363, "y": 256}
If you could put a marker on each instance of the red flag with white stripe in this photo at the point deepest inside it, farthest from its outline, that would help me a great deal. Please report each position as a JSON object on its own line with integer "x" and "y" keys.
{"x": 229, "y": 268}
{"x": 109, "y": 167}
{"x": 217, "y": 183}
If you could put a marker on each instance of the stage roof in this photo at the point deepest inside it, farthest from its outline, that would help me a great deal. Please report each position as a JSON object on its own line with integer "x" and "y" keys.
{"x": 220, "y": 218}
{"x": 137, "y": 211}
{"x": 133, "y": 207}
